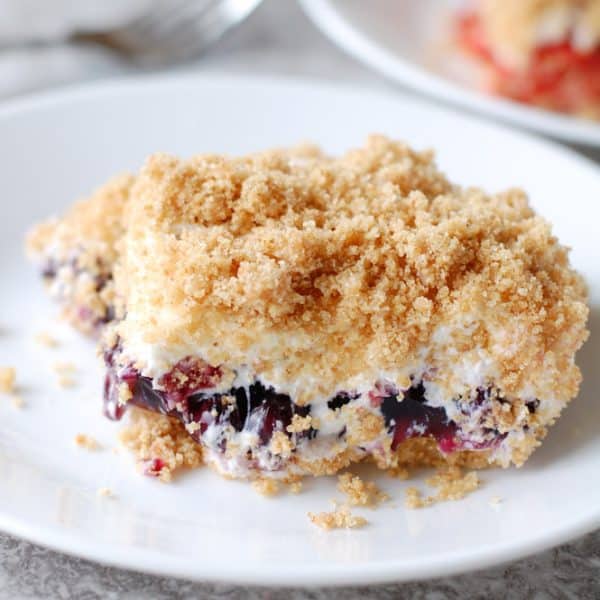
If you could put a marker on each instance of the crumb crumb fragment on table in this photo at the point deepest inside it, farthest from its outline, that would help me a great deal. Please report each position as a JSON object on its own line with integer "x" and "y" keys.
{"x": 450, "y": 483}
{"x": 8, "y": 376}
{"x": 105, "y": 492}
{"x": 266, "y": 487}
{"x": 359, "y": 492}
{"x": 339, "y": 518}
{"x": 86, "y": 441}
{"x": 43, "y": 338}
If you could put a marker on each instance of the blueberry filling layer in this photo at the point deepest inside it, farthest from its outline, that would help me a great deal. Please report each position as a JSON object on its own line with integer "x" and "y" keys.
{"x": 218, "y": 419}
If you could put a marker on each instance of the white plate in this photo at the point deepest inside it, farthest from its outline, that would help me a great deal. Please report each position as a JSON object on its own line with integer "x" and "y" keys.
{"x": 57, "y": 147}
{"x": 407, "y": 41}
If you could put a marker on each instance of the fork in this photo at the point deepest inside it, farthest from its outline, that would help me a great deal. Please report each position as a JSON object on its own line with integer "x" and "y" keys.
{"x": 170, "y": 31}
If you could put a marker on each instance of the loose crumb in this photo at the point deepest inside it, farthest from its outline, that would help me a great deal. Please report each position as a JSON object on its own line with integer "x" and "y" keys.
{"x": 8, "y": 376}
{"x": 65, "y": 381}
{"x": 105, "y": 492}
{"x": 360, "y": 493}
{"x": 86, "y": 441}
{"x": 266, "y": 487}
{"x": 45, "y": 339}
{"x": 17, "y": 401}
{"x": 414, "y": 499}
{"x": 296, "y": 487}
{"x": 451, "y": 484}
{"x": 339, "y": 518}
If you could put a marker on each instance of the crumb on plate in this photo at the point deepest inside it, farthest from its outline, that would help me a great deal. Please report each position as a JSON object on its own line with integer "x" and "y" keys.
{"x": 339, "y": 518}
{"x": 295, "y": 487}
{"x": 65, "y": 381}
{"x": 17, "y": 401}
{"x": 8, "y": 376}
{"x": 266, "y": 487}
{"x": 495, "y": 501}
{"x": 64, "y": 367}
{"x": 359, "y": 492}
{"x": 450, "y": 483}
{"x": 43, "y": 338}
{"x": 86, "y": 441}
{"x": 105, "y": 492}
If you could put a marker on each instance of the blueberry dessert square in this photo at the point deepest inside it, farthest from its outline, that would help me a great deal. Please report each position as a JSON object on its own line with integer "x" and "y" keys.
{"x": 297, "y": 313}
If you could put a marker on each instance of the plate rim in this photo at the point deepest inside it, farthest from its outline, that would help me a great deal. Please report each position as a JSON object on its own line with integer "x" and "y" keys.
{"x": 366, "y": 50}
{"x": 338, "y": 575}
{"x": 154, "y": 562}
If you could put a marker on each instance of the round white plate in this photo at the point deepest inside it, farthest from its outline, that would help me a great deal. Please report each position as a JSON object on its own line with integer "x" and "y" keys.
{"x": 408, "y": 41}
{"x": 57, "y": 147}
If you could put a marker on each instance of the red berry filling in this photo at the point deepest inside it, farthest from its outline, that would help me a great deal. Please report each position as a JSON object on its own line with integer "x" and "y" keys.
{"x": 557, "y": 76}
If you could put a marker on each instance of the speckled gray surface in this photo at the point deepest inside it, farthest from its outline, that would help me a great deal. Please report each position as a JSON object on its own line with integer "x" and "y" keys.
{"x": 277, "y": 39}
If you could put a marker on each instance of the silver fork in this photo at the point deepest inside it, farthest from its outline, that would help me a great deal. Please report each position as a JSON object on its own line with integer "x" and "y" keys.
{"x": 171, "y": 30}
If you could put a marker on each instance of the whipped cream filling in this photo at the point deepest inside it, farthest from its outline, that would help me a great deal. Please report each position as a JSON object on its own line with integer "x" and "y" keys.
{"x": 451, "y": 379}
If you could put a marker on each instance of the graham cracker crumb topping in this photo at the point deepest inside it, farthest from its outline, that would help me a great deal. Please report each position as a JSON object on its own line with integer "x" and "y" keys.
{"x": 332, "y": 269}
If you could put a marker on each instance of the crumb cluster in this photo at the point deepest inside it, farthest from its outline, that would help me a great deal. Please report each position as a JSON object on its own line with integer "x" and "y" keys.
{"x": 359, "y": 492}
{"x": 450, "y": 484}
{"x": 339, "y": 518}
{"x": 163, "y": 441}
{"x": 266, "y": 487}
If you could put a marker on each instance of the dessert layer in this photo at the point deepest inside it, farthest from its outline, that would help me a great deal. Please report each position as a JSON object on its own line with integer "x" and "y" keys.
{"x": 248, "y": 429}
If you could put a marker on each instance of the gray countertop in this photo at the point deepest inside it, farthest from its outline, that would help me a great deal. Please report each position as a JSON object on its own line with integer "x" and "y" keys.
{"x": 276, "y": 39}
